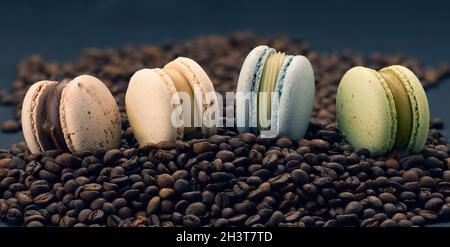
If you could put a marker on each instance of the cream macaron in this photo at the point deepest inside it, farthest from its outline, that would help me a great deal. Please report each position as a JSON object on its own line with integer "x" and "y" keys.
{"x": 167, "y": 104}
{"x": 70, "y": 115}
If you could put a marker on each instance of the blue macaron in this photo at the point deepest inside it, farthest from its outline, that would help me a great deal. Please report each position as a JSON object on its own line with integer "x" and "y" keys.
{"x": 275, "y": 94}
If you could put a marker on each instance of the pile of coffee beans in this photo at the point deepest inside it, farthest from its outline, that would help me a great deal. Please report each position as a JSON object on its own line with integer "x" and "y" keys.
{"x": 227, "y": 179}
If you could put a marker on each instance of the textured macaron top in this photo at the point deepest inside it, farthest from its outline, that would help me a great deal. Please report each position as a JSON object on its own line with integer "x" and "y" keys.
{"x": 89, "y": 115}
{"x": 274, "y": 88}
{"x": 380, "y": 110}
{"x": 150, "y": 100}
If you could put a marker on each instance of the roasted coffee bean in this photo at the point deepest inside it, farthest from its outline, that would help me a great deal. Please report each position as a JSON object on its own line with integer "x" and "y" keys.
{"x": 347, "y": 219}
{"x": 153, "y": 205}
{"x": 68, "y": 160}
{"x": 237, "y": 219}
{"x": 89, "y": 195}
{"x": 375, "y": 202}
{"x": 44, "y": 199}
{"x": 354, "y": 208}
{"x": 202, "y": 147}
{"x": 192, "y": 196}
{"x": 279, "y": 181}
{"x": 96, "y": 216}
{"x": 196, "y": 208}
{"x": 83, "y": 216}
{"x": 180, "y": 186}
{"x": 434, "y": 204}
{"x": 165, "y": 193}
{"x": 389, "y": 223}
{"x": 112, "y": 156}
{"x": 33, "y": 215}
{"x": 270, "y": 161}
{"x": 164, "y": 180}
{"x": 276, "y": 218}
{"x": 225, "y": 155}
{"x": 319, "y": 145}
{"x": 67, "y": 221}
{"x": 299, "y": 177}
{"x": 387, "y": 198}
{"x": 191, "y": 221}
{"x": 124, "y": 212}
{"x": 418, "y": 220}
{"x": 35, "y": 224}
{"x": 14, "y": 216}
{"x": 24, "y": 198}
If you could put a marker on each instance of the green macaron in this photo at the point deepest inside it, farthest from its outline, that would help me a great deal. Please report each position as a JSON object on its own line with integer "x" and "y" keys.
{"x": 382, "y": 110}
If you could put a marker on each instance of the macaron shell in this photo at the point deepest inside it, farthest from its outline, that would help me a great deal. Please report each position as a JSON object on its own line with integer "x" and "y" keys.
{"x": 203, "y": 89}
{"x": 150, "y": 100}
{"x": 32, "y": 107}
{"x": 419, "y": 104}
{"x": 296, "y": 99}
{"x": 89, "y": 115}
{"x": 365, "y": 111}
{"x": 246, "y": 108}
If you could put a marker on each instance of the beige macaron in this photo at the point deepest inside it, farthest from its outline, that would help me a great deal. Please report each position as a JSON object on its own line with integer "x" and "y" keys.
{"x": 167, "y": 104}
{"x": 70, "y": 115}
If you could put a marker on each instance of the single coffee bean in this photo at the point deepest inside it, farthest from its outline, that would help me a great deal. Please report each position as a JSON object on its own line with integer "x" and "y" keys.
{"x": 191, "y": 221}
{"x": 389, "y": 223}
{"x": 270, "y": 161}
{"x": 113, "y": 221}
{"x": 44, "y": 199}
{"x": 375, "y": 202}
{"x": 96, "y": 216}
{"x": 164, "y": 181}
{"x": 35, "y": 224}
{"x": 225, "y": 155}
{"x": 418, "y": 220}
{"x": 192, "y": 196}
{"x": 196, "y": 208}
{"x": 68, "y": 160}
{"x": 112, "y": 156}
{"x": 387, "y": 198}
{"x": 83, "y": 216}
{"x": 39, "y": 187}
{"x": 166, "y": 193}
{"x": 299, "y": 177}
{"x": 153, "y": 205}
{"x": 24, "y": 198}
{"x": 354, "y": 208}
{"x": 434, "y": 204}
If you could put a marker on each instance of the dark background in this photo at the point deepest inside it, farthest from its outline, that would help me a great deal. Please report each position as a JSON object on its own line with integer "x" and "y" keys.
{"x": 58, "y": 30}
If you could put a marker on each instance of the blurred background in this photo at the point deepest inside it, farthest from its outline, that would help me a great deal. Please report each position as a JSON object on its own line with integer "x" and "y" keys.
{"x": 59, "y": 30}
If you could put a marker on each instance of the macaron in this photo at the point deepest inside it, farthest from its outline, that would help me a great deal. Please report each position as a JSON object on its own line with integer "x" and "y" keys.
{"x": 382, "y": 110}
{"x": 167, "y": 104}
{"x": 275, "y": 94}
{"x": 70, "y": 115}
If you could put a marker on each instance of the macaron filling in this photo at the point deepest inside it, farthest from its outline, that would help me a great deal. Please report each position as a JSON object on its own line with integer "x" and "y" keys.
{"x": 269, "y": 78}
{"x": 403, "y": 108}
{"x": 50, "y": 128}
{"x": 182, "y": 86}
